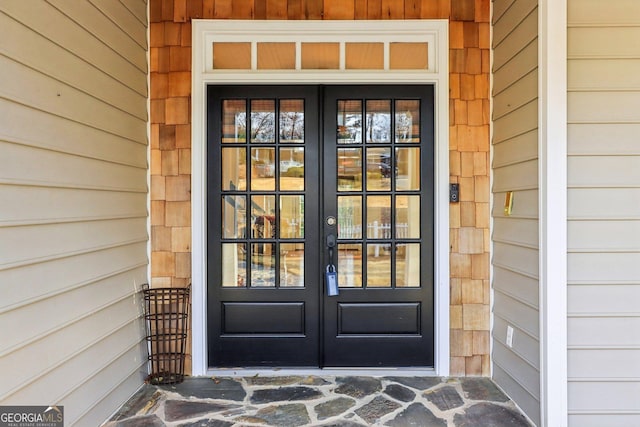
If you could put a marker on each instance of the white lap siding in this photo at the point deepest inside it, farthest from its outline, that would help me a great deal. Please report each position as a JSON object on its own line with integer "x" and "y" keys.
{"x": 73, "y": 203}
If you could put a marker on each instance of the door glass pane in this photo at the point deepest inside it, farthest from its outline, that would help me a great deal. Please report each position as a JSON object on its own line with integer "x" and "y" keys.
{"x": 292, "y": 264}
{"x": 379, "y": 265}
{"x": 292, "y": 217}
{"x": 350, "y": 265}
{"x": 408, "y": 169}
{"x": 234, "y": 120}
{"x": 378, "y": 124}
{"x": 263, "y": 265}
{"x": 350, "y": 122}
{"x": 379, "y": 169}
{"x": 234, "y": 169}
{"x": 292, "y": 121}
{"x": 349, "y": 217}
{"x": 263, "y": 217}
{"x": 292, "y": 169}
{"x": 408, "y": 217}
{"x": 407, "y": 121}
{"x": 234, "y": 218}
{"x": 263, "y": 120}
{"x": 408, "y": 265}
{"x": 379, "y": 217}
{"x": 234, "y": 264}
{"x": 349, "y": 169}
{"x": 263, "y": 169}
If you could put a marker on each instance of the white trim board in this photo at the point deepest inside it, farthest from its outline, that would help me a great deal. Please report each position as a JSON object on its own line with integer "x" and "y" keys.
{"x": 433, "y": 31}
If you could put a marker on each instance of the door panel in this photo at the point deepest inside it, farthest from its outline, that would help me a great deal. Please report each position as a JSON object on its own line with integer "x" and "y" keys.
{"x": 378, "y": 182}
{"x": 281, "y": 160}
{"x": 263, "y": 274}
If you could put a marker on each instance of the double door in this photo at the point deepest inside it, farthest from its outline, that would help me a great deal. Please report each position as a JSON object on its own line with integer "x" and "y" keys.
{"x": 305, "y": 180}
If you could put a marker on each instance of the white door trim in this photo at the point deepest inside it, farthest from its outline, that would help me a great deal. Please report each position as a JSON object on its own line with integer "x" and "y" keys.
{"x": 552, "y": 155}
{"x": 204, "y": 32}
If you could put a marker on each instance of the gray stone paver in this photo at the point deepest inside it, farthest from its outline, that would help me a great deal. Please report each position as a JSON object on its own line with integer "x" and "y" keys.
{"x": 343, "y": 401}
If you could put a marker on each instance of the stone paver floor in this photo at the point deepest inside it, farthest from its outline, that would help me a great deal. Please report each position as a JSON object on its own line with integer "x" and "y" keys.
{"x": 342, "y": 401}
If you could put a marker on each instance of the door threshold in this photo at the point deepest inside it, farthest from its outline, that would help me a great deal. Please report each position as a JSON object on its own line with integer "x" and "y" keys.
{"x": 320, "y": 372}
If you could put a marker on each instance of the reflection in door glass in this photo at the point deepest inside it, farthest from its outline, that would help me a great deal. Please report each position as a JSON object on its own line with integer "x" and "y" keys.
{"x": 263, "y": 169}
{"x": 292, "y": 264}
{"x": 408, "y": 169}
{"x": 407, "y": 121}
{"x": 263, "y": 217}
{"x": 263, "y": 120}
{"x": 349, "y": 217}
{"x": 379, "y": 217}
{"x": 379, "y": 265}
{"x": 292, "y": 169}
{"x": 234, "y": 120}
{"x": 379, "y": 170}
{"x": 234, "y": 169}
{"x": 349, "y": 122}
{"x": 291, "y": 217}
{"x": 407, "y": 217}
{"x": 408, "y": 265}
{"x": 292, "y": 121}
{"x": 350, "y": 265}
{"x": 378, "y": 123}
{"x": 349, "y": 169}
{"x": 234, "y": 217}
{"x": 263, "y": 265}
{"x": 234, "y": 264}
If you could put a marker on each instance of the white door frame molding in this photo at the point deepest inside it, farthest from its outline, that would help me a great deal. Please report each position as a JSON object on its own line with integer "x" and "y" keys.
{"x": 205, "y": 32}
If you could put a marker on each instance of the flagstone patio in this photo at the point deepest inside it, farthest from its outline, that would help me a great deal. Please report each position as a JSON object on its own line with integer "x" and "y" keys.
{"x": 346, "y": 401}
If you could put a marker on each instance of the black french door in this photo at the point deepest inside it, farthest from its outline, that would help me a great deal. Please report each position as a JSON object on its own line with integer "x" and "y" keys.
{"x": 305, "y": 179}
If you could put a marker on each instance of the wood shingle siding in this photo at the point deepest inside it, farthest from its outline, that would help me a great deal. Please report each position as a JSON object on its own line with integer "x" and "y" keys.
{"x": 603, "y": 212}
{"x": 515, "y": 168}
{"x": 73, "y": 217}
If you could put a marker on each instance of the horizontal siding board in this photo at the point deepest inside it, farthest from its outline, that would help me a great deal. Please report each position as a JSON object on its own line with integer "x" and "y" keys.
{"x": 616, "y": 12}
{"x": 523, "y": 344}
{"x": 520, "y": 65}
{"x": 516, "y": 230}
{"x": 53, "y": 277}
{"x": 603, "y": 299}
{"x": 519, "y": 94}
{"x": 603, "y": 236}
{"x": 26, "y": 366}
{"x": 525, "y": 203}
{"x": 516, "y": 313}
{"x": 604, "y": 396}
{"x": 603, "y": 107}
{"x": 25, "y": 205}
{"x": 48, "y": 94}
{"x": 64, "y": 239}
{"x": 604, "y": 267}
{"x": 48, "y": 58}
{"x": 528, "y": 403}
{"x": 603, "y": 139}
{"x": 45, "y": 19}
{"x": 25, "y": 125}
{"x": 521, "y": 30}
{"x": 124, "y": 19}
{"x": 79, "y": 305}
{"x": 21, "y": 164}
{"x": 518, "y": 122}
{"x": 517, "y": 149}
{"x": 528, "y": 376}
{"x": 603, "y": 171}
{"x": 522, "y": 287}
{"x": 603, "y": 74}
{"x": 603, "y": 419}
{"x": 138, "y": 9}
{"x": 520, "y": 176}
{"x": 603, "y": 332}
{"x": 603, "y": 42}
{"x": 500, "y": 7}
{"x": 604, "y": 203}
